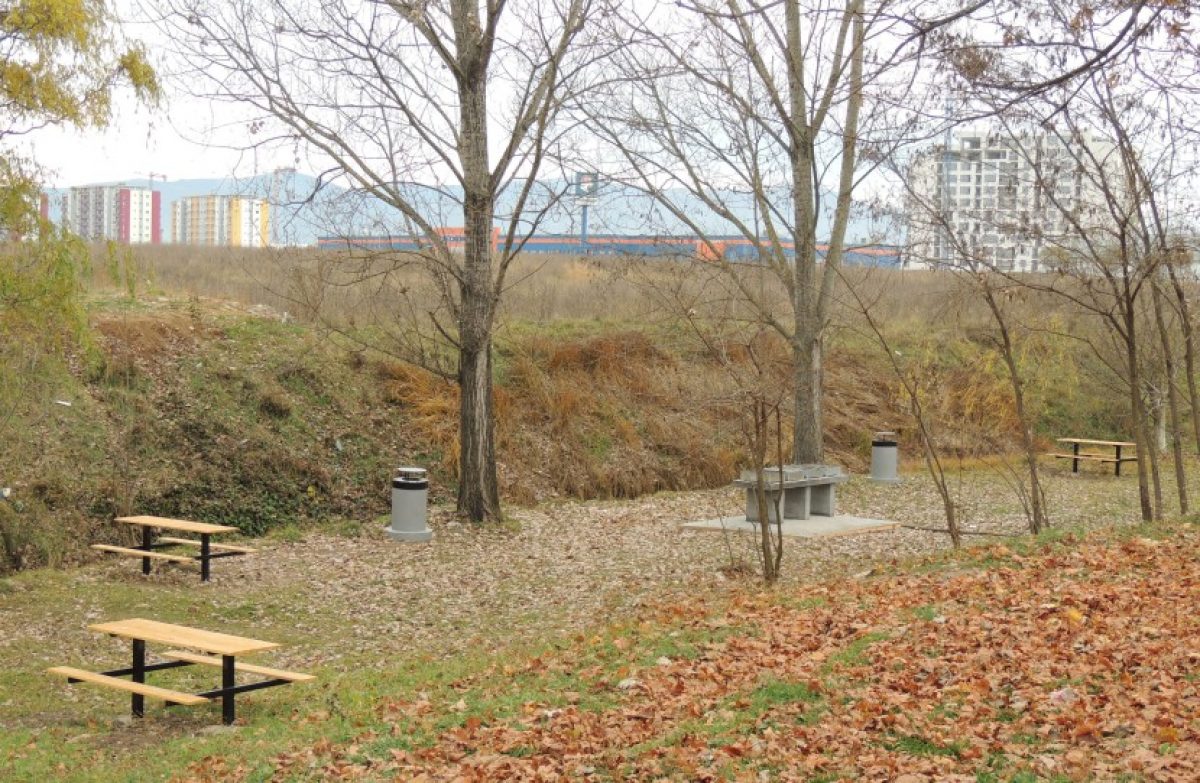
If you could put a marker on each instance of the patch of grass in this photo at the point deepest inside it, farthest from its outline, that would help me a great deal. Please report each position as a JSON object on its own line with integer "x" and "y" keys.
{"x": 1024, "y": 738}
{"x": 945, "y": 710}
{"x": 737, "y": 714}
{"x": 774, "y": 692}
{"x": 290, "y": 533}
{"x": 855, "y": 653}
{"x": 689, "y": 643}
{"x": 520, "y": 751}
{"x": 800, "y": 603}
{"x": 916, "y": 745}
{"x": 926, "y": 613}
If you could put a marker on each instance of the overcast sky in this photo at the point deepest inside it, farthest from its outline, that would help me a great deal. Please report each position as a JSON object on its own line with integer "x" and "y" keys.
{"x": 171, "y": 140}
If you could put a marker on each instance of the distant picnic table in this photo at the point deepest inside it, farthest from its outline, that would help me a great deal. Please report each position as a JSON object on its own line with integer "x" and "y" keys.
{"x": 1076, "y": 456}
{"x": 152, "y": 541}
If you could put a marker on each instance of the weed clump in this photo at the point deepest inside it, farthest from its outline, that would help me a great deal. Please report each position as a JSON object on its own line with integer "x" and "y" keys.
{"x": 274, "y": 403}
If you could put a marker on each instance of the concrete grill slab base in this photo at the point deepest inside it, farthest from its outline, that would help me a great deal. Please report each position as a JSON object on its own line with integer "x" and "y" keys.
{"x": 813, "y": 527}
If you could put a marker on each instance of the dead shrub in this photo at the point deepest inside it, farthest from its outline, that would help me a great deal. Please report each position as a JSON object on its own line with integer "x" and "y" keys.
{"x": 274, "y": 403}
{"x": 297, "y": 376}
{"x": 607, "y": 354}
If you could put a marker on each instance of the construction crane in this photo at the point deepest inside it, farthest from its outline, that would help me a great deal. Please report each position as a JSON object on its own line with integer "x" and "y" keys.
{"x": 151, "y": 176}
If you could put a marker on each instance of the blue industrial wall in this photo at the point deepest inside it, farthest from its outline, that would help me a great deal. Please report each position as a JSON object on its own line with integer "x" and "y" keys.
{"x": 734, "y": 248}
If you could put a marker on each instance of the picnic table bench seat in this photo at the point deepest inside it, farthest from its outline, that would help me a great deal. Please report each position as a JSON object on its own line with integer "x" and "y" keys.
{"x": 1092, "y": 457}
{"x": 250, "y": 668}
{"x": 245, "y": 550}
{"x": 169, "y": 696}
{"x": 124, "y": 550}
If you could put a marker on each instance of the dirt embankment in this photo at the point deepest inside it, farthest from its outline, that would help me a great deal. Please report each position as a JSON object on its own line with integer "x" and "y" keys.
{"x": 213, "y": 413}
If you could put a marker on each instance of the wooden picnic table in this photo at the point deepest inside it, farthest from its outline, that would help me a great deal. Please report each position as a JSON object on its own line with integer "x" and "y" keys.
{"x": 140, "y": 631}
{"x": 153, "y": 540}
{"x": 1076, "y": 456}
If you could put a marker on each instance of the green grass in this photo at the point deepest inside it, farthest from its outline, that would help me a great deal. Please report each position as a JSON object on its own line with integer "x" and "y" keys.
{"x": 855, "y": 653}
{"x": 915, "y": 745}
{"x": 741, "y": 713}
{"x": 926, "y": 613}
{"x": 360, "y": 698}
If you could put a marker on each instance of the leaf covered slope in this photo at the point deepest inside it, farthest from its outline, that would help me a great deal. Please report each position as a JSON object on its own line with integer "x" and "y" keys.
{"x": 1068, "y": 661}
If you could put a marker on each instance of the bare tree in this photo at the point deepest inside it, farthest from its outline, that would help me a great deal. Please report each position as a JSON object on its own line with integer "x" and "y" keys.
{"x": 733, "y": 109}
{"x": 1108, "y": 81}
{"x": 1100, "y": 202}
{"x": 989, "y": 280}
{"x": 760, "y": 120}
{"x": 1170, "y": 374}
{"x": 911, "y": 381}
{"x": 410, "y": 103}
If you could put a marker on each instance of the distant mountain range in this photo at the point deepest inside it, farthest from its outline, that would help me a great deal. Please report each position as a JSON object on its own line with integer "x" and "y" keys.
{"x": 304, "y": 208}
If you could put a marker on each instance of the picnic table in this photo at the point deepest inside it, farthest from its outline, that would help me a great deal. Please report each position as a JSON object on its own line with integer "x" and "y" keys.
{"x": 1076, "y": 456}
{"x": 808, "y": 490}
{"x": 210, "y": 644}
{"x": 153, "y": 540}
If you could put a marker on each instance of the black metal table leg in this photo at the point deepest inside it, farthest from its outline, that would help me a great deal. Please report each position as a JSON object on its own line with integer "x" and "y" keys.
{"x": 1075, "y": 462}
{"x": 1118, "y": 469}
{"x": 228, "y": 714}
{"x": 137, "y": 702}
{"x": 204, "y": 547}
{"x": 148, "y": 545}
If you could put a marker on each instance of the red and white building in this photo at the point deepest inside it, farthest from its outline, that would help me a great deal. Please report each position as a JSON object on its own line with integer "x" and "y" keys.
{"x": 130, "y": 216}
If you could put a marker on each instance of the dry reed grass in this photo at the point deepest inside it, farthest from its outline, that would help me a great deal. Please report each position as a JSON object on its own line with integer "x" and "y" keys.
{"x": 589, "y": 390}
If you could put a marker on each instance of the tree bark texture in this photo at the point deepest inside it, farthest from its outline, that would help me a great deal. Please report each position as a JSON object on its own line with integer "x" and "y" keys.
{"x": 1189, "y": 349}
{"x": 1172, "y": 399}
{"x": 479, "y": 487}
{"x": 1137, "y": 413}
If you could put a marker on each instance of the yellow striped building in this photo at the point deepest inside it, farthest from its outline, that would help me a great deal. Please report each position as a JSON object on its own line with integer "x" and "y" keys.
{"x": 221, "y": 221}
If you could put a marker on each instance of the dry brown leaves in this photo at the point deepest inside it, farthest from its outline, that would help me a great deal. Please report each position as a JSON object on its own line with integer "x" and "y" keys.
{"x": 1077, "y": 662}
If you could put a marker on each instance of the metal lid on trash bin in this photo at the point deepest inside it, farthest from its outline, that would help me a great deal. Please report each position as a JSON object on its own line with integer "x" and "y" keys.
{"x": 410, "y": 478}
{"x": 884, "y": 439}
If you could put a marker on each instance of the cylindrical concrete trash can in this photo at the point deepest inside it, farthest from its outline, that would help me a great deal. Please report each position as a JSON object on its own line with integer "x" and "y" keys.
{"x": 885, "y": 457}
{"x": 410, "y": 498}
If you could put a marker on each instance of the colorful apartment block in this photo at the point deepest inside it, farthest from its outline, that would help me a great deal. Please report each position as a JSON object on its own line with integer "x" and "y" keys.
{"x": 122, "y": 214}
{"x": 221, "y": 221}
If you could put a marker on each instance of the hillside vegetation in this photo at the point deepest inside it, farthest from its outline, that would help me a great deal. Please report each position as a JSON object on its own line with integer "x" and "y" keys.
{"x": 237, "y": 413}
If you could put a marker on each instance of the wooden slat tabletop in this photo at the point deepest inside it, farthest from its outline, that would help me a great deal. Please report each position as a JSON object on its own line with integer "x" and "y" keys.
{"x": 1083, "y": 441}
{"x": 182, "y": 636}
{"x": 177, "y": 524}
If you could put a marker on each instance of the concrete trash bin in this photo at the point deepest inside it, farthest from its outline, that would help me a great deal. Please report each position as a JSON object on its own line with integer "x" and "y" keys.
{"x": 410, "y": 499}
{"x": 885, "y": 457}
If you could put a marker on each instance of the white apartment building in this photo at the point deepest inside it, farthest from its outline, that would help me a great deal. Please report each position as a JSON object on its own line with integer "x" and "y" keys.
{"x": 1003, "y": 199}
{"x": 220, "y": 221}
{"x": 114, "y": 212}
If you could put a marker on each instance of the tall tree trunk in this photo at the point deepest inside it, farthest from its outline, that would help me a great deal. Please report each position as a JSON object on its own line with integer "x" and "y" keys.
{"x": 1137, "y": 413}
{"x": 1172, "y": 399}
{"x": 1189, "y": 349}
{"x": 841, "y": 214}
{"x": 806, "y": 444}
{"x": 806, "y": 441}
{"x": 1152, "y": 453}
{"x": 478, "y": 488}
